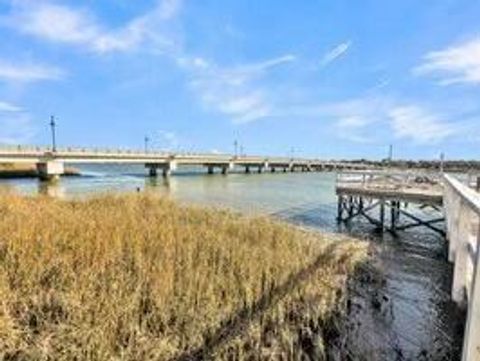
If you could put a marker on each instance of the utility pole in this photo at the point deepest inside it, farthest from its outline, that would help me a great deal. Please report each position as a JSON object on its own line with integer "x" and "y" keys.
{"x": 146, "y": 140}
{"x": 52, "y": 127}
{"x": 235, "y": 145}
{"x": 241, "y": 151}
{"x": 292, "y": 152}
{"x": 390, "y": 153}
{"x": 442, "y": 161}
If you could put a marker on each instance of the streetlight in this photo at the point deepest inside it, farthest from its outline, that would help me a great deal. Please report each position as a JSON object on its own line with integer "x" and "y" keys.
{"x": 146, "y": 140}
{"x": 52, "y": 127}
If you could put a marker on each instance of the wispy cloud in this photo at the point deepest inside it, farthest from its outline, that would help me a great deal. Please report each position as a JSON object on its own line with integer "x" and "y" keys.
{"x": 235, "y": 91}
{"x": 8, "y": 107}
{"x": 335, "y": 53}
{"x": 419, "y": 125}
{"x": 28, "y": 72}
{"x": 16, "y": 126}
{"x": 78, "y": 26}
{"x": 455, "y": 64}
{"x": 361, "y": 119}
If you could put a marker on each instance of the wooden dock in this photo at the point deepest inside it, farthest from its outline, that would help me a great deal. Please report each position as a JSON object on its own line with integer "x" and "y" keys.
{"x": 361, "y": 194}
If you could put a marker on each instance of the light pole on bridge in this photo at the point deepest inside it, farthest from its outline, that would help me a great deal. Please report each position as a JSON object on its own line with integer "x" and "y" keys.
{"x": 52, "y": 127}
{"x": 146, "y": 140}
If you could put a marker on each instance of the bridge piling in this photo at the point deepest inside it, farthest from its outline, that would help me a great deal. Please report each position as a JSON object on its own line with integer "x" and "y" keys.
{"x": 50, "y": 170}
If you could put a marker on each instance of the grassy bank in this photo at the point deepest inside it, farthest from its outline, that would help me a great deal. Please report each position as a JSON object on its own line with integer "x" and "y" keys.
{"x": 136, "y": 277}
{"x": 27, "y": 170}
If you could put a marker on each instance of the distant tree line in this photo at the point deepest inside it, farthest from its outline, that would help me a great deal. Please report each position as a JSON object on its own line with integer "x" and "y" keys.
{"x": 448, "y": 165}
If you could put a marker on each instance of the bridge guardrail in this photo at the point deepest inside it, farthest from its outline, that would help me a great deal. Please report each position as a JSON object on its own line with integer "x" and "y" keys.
{"x": 462, "y": 211}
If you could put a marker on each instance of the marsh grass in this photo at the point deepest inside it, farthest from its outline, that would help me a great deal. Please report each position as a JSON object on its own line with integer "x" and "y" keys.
{"x": 137, "y": 277}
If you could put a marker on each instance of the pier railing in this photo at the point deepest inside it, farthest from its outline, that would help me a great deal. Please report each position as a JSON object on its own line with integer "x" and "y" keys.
{"x": 384, "y": 178}
{"x": 462, "y": 212}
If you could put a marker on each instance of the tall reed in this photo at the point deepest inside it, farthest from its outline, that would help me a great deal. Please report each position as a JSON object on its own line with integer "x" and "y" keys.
{"x": 137, "y": 277}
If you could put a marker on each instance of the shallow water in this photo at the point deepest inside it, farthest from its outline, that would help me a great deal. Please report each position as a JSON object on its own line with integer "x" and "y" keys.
{"x": 416, "y": 320}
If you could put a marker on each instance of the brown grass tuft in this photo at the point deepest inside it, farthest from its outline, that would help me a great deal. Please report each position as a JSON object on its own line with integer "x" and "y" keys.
{"x": 136, "y": 277}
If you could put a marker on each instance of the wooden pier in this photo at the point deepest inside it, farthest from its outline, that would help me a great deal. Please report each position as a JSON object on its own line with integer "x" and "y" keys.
{"x": 371, "y": 194}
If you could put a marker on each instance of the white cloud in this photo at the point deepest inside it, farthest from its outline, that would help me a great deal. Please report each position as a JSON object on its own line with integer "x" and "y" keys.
{"x": 419, "y": 125}
{"x": 75, "y": 26}
{"x": 234, "y": 91}
{"x": 29, "y": 72}
{"x": 361, "y": 119}
{"x": 335, "y": 53}
{"x": 455, "y": 64}
{"x": 8, "y": 107}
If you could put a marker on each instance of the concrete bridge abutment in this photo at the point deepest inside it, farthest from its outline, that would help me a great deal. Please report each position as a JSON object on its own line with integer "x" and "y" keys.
{"x": 50, "y": 170}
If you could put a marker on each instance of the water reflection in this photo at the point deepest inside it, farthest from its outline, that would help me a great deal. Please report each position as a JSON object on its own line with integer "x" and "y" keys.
{"x": 51, "y": 189}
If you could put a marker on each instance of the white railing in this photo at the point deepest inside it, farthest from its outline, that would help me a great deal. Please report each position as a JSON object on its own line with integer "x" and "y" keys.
{"x": 29, "y": 150}
{"x": 462, "y": 212}
{"x": 395, "y": 178}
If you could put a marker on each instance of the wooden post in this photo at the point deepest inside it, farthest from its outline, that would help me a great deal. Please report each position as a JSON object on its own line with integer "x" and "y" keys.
{"x": 393, "y": 215}
{"x": 455, "y": 208}
{"x": 350, "y": 207}
{"x": 382, "y": 214}
{"x": 340, "y": 209}
{"x": 461, "y": 256}
{"x": 471, "y": 340}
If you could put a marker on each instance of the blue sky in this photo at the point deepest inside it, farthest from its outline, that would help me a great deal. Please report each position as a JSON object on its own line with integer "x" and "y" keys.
{"x": 339, "y": 79}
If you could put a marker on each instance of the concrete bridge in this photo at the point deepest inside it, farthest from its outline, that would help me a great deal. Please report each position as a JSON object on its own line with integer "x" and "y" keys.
{"x": 51, "y": 164}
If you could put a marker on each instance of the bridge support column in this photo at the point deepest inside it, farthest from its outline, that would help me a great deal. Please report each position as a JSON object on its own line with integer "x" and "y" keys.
{"x": 265, "y": 166}
{"x": 50, "y": 170}
{"x": 152, "y": 171}
{"x": 210, "y": 169}
{"x": 165, "y": 167}
{"x": 227, "y": 168}
{"x": 272, "y": 169}
{"x": 247, "y": 169}
{"x": 169, "y": 167}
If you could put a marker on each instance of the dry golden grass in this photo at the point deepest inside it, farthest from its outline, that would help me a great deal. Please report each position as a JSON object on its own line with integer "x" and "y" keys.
{"x": 137, "y": 277}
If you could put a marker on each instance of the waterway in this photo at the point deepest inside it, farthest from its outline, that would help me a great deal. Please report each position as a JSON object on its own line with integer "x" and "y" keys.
{"x": 409, "y": 316}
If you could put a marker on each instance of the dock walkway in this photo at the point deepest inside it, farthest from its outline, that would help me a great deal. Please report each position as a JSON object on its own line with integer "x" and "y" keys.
{"x": 458, "y": 207}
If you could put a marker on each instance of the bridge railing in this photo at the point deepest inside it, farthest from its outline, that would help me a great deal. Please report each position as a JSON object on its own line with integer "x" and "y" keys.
{"x": 462, "y": 212}
{"x": 19, "y": 150}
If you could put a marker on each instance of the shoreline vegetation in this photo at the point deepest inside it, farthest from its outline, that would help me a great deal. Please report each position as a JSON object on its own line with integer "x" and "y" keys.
{"x": 28, "y": 170}
{"x": 137, "y": 277}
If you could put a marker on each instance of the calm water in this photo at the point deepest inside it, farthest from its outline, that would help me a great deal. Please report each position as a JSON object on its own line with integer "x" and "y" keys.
{"x": 416, "y": 321}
